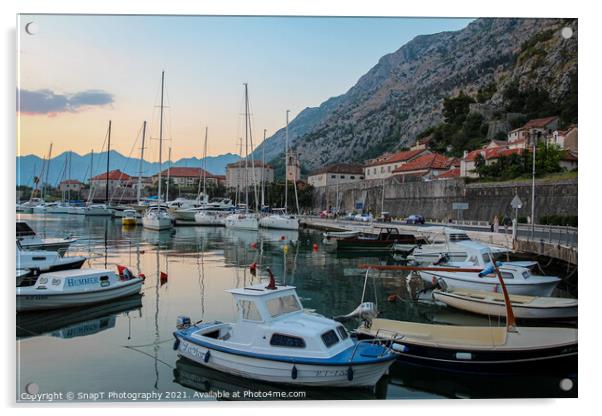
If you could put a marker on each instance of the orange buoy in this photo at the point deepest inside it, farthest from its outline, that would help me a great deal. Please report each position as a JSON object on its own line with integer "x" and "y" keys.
{"x": 142, "y": 276}
{"x": 163, "y": 278}
{"x": 282, "y": 237}
{"x": 315, "y": 246}
{"x": 392, "y": 298}
{"x": 254, "y": 245}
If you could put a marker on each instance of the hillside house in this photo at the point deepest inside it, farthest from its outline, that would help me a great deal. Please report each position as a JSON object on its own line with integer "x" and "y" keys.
{"x": 383, "y": 167}
{"x": 337, "y": 174}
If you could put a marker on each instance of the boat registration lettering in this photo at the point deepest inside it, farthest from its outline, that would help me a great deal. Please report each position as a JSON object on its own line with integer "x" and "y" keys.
{"x": 331, "y": 373}
{"x": 191, "y": 349}
{"x": 82, "y": 282}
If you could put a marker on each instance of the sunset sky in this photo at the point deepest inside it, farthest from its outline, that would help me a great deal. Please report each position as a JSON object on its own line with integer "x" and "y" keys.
{"x": 78, "y": 72}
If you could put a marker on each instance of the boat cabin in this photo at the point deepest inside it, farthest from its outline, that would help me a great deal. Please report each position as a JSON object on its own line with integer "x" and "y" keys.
{"x": 272, "y": 321}
{"x": 81, "y": 280}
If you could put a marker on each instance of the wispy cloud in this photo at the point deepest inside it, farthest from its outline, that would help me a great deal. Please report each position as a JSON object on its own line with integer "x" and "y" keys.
{"x": 50, "y": 103}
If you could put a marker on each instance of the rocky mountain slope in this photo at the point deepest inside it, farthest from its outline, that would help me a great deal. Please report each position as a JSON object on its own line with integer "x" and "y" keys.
{"x": 402, "y": 95}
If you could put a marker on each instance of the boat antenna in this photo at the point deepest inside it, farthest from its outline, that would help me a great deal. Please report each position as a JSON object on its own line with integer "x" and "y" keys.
{"x": 272, "y": 284}
{"x": 140, "y": 166}
{"x": 510, "y": 320}
{"x": 159, "y": 199}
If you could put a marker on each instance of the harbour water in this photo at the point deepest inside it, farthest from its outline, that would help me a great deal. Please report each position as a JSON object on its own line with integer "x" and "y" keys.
{"x": 123, "y": 350}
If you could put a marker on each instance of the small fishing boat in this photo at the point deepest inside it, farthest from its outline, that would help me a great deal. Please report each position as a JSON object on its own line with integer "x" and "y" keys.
{"x": 46, "y": 261}
{"x": 275, "y": 340}
{"x": 492, "y": 304}
{"x": 383, "y": 241}
{"x": 209, "y": 217}
{"x": 30, "y": 241}
{"x": 129, "y": 218}
{"x": 335, "y": 235}
{"x": 476, "y": 273}
{"x": 508, "y": 349}
{"x": 70, "y": 288}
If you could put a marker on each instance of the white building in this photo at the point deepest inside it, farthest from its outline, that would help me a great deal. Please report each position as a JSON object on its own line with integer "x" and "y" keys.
{"x": 293, "y": 168}
{"x": 383, "y": 167}
{"x": 340, "y": 173}
{"x": 238, "y": 177}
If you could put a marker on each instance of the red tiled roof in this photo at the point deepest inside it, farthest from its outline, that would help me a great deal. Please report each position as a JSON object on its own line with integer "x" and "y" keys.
{"x": 569, "y": 156}
{"x": 184, "y": 172}
{"x": 428, "y": 161}
{"x": 452, "y": 173}
{"x": 340, "y": 168}
{"x": 539, "y": 122}
{"x": 114, "y": 175}
{"x": 492, "y": 153}
{"x": 398, "y": 157}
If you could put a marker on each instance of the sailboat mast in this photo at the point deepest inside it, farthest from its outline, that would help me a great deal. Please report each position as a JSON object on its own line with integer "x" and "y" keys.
{"x": 205, "y": 163}
{"x": 47, "y": 172}
{"x": 246, "y": 148}
{"x": 108, "y": 159}
{"x": 69, "y": 178}
{"x": 168, "y": 173}
{"x": 286, "y": 166}
{"x": 141, "y": 161}
{"x": 159, "y": 198}
{"x": 263, "y": 169}
{"x": 91, "y": 193}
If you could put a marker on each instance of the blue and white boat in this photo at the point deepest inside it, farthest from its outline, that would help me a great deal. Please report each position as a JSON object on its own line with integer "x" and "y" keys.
{"x": 276, "y": 341}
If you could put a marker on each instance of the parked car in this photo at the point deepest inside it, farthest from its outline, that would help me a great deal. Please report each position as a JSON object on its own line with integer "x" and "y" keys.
{"x": 415, "y": 219}
{"x": 364, "y": 217}
{"x": 350, "y": 216}
{"x": 326, "y": 214}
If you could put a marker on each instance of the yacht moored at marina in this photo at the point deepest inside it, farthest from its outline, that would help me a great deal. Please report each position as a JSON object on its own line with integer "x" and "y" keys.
{"x": 275, "y": 340}
{"x": 46, "y": 261}
{"x": 129, "y": 218}
{"x": 210, "y": 217}
{"x": 280, "y": 220}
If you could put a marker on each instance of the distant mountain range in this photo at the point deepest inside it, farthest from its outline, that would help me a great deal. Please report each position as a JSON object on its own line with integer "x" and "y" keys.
{"x": 31, "y": 165}
{"x": 497, "y": 61}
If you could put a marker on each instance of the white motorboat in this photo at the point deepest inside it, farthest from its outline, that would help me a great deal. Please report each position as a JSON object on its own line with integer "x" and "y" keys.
{"x": 98, "y": 210}
{"x": 492, "y": 304}
{"x": 28, "y": 206}
{"x": 157, "y": 218}
{"x": 280, "y": 220}
{"x": 185, "y": 214}
{"x": 46, "y": 261}
{"x": 452, "y": 246}
{"x": 476, "y": 273}
{"x": 76, "y": 210}
{"x": 275, "y": 340}
{"x": 209, "y": 217}
{"x": 28, "y": 240}
{"x": 242, "y": 221}
{"x": 70, "y": 288}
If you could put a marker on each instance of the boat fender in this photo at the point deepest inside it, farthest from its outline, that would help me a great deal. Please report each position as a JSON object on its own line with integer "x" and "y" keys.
{"x": 207, "y": 356}
{"x": 399, "y": 347}
{"x": 294, "y": 373}
{"x": 350, "y": 374}
{"x": 176, "y": 344}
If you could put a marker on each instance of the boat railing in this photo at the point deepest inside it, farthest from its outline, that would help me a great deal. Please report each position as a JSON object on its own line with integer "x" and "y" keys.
{"x": 377, "y": 341}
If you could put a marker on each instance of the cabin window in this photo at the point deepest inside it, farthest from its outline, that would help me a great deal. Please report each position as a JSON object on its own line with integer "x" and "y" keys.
{"x": 507, "y": 275}
{"x": 526, "y": 274}
{"x": 249, "y": 310}
{"x": 330, "y": 338}
{"x": 352, "y": 177}
{"x": 342, "y": 332}
{"x": 333, "y": 176}
{"x": 282, "y": 305}
{"x": 280, "y": 340}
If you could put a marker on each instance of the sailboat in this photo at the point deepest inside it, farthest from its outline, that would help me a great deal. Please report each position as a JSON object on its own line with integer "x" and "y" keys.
{"x": 102, "y": 210}
{"x": 157, "y": 217}
{"x": 280, "y": 218}
{"x": 245, "y": 220}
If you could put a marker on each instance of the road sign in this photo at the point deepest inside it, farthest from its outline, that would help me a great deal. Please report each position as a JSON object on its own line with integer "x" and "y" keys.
{"x": 459, "y": 205}
{"x": 516, "y": 202}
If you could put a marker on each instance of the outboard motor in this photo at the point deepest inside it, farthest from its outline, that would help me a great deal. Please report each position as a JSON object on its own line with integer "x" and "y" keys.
{"x": 365, "y": 311}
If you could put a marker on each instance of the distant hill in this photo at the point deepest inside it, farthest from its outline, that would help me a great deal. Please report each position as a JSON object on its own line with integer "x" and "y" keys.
{"x": 512, "y": 68}
{"x": 31, "y": 165}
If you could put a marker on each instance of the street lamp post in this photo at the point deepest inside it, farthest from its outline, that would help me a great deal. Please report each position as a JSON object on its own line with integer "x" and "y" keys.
{"x": 534, "y": 143}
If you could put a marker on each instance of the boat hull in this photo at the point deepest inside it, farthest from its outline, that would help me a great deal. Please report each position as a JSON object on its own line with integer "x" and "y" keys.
{"x": 63, "y": 264}
{"x": 279, "y": 222}
{"x": 29, "y": 299}
{"x": 246, "y": 222}
{"x": 98, "y": 212}
{"x": 456, "y": 280}
{"x": 520, "y": 310}
{"x": 128, "y": 222}
{"x": 157, "y": 224}
{"x": 282, "y": 372}
{"x": 60, "y": 245}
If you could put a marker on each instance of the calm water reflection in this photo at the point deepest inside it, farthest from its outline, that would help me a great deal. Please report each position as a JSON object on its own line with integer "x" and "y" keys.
{"x": 126, "y": 346}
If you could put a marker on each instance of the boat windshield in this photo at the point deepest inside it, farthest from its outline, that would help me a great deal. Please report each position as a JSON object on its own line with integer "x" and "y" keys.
{"x": 282, "y": 305}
